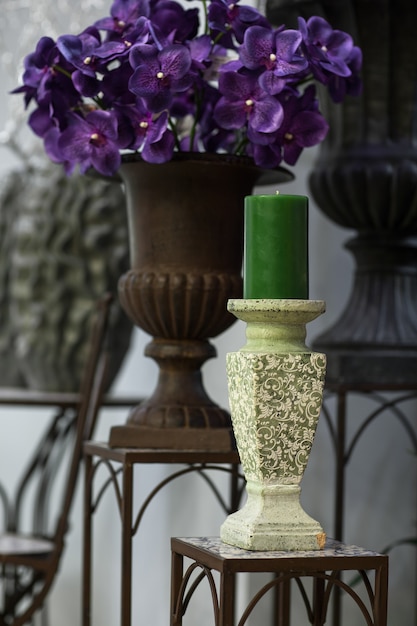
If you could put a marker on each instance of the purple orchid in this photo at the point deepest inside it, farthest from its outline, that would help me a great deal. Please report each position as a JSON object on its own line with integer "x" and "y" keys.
{"x": 39, "y": 70}
{"x": 40, "y": 120}
{"x": 92, "y": 142}
{"x": 173, "y": 23}
{"x": 277, "y": 52}
{"x": 117, "y": 46}
{"x": 328, "y": 50}
{"x": 47, "y": 74}
{"x": 80, "y": 52}
{"x": 244, "y": 102}
{"x": 124, "y": 14}
{"x": 113, "y": 87}
{"x": 229, "y": 17}
{"x": 141, "y": 125}
{"x": 149, "y": 78}
{"x": 303, "y": 125}
{"x": 161, "y": 150}
{"x": 157, "y": 74}
{"x": 340, "y": 87}
{"x": 147, "y": 132}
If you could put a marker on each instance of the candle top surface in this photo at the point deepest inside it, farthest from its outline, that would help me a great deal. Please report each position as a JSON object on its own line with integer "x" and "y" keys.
{"x": 277, "y": 194}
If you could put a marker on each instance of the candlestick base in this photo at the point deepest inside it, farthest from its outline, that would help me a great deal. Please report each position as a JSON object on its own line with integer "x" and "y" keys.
{"x": 275, "y": 392}
{"x": 272, "y": 519}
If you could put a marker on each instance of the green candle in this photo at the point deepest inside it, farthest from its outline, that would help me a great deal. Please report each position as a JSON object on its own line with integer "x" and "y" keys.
{"x": 276, "y": 247}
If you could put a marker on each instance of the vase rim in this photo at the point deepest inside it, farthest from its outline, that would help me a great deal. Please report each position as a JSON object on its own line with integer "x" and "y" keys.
{"x": 266, "y": 176}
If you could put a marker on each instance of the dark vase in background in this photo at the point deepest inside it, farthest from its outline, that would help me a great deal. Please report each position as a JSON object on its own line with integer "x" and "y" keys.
{"x": 365, "y": 179}
{"x": 10, "y": 374}
{"x": 68, "y": 246}
{"x": 186, "y": 242}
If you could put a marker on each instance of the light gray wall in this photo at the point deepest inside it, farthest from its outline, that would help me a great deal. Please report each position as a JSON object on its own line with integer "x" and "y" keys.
{"x": 381, "y": 494}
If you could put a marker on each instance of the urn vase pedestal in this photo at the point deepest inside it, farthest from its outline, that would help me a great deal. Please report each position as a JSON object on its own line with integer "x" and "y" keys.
{"x": 186, "y": 240}
{"x": 275, "y": 392}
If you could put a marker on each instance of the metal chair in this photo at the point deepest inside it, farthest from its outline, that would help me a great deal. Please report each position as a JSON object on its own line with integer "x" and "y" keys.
{"x": 29, "y": 563}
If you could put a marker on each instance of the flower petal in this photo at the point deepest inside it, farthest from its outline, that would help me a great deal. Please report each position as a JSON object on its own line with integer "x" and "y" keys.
{"x": 229, "y": 114}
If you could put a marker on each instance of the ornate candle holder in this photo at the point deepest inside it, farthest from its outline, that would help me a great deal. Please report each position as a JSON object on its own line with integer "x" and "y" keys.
{"x": 275, "y": 392}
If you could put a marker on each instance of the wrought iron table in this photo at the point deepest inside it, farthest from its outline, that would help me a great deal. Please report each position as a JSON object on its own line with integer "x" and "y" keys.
{"x": 323, "y": 566}
{"x": 386, "y": 399}
{"x": 62, "y": 404}
{"x": 381, "y": 397}
{"x": 120, "y": 463}
{"x": 58, "y": 402}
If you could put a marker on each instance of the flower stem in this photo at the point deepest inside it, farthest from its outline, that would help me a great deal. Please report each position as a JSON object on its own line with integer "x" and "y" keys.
{"x": 60, "y": 69}
{"x": 206, "y": 24}
{"x": 198, "y": 99}
{"x": 241, "y": 146}
{"x": 174, "y": 132}
{"x": 216, "y": 39}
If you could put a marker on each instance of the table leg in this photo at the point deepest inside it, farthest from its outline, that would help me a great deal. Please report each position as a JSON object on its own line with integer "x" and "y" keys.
{"x": 282, "y": 598}
{"x": 339, "y": 492}
{"x": 234, "y": 489}
{"x": 177, "y": 565}
{"x": 126, "y": 573}
{"x": 227, "y": 594}
{"x": 319, "y": 616}
{"x": 87, "y": 544}
{"x": 381, "y": 595}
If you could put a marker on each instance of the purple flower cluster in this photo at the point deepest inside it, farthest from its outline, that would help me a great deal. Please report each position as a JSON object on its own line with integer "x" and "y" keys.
{"x": 147, "y": 79}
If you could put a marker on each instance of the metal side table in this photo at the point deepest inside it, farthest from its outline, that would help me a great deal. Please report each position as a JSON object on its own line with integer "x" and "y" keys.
{"x": 386, "y": 387}
{"x": 120, "y": 463}
{"x": 208, "y": 554}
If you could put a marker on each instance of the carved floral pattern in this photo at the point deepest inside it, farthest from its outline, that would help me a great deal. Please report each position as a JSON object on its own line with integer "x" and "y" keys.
{"x": 275, "y": 403}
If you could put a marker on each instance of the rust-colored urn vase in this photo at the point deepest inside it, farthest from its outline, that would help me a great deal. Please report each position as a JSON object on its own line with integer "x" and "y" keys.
{"x": 186, "y": 239}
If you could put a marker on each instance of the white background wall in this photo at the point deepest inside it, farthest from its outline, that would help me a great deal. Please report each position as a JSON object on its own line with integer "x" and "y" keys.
{"x": 381, "y": 494}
